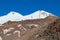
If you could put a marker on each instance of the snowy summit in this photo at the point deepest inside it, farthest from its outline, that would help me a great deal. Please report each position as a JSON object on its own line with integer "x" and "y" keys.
{"x": 15, "y": 16}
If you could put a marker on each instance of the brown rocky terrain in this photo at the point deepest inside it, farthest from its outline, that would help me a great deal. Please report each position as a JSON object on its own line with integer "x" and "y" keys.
{"x": 37, "y": 29}
{"x": 52, "y": 32}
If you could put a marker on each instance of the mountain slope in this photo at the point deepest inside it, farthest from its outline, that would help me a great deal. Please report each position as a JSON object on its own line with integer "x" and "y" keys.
{"x": 30, "y": 27}
{"x": 23, "y": 30}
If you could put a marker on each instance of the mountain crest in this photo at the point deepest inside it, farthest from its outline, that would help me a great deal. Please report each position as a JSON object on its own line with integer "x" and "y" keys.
{"x": 14, "y": 13}
{"x": 15, "y": 16}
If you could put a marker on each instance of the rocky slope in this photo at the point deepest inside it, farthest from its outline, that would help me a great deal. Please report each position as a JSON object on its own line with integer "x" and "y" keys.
{"x": 52, "y": 32}
{"x": 25, "y": 30}
{"x": 39, "y": 25}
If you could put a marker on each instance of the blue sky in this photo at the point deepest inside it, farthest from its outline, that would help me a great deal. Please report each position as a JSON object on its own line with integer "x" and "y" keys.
{"x": 26, "y": 7}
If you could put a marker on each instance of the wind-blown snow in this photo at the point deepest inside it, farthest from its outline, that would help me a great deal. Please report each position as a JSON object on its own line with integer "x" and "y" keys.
{"x": 15, "y": 16}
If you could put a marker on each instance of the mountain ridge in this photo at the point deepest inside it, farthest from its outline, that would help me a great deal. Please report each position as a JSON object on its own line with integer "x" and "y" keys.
{"x": 15, "y": 16}
{"x": 29, "y": 29}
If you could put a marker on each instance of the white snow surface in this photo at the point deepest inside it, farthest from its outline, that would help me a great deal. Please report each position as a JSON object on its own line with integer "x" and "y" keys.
{"x": 15, "y": 16}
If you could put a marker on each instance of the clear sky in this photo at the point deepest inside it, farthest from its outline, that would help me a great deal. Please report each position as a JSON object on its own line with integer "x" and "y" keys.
{"x": 26, "y": 7}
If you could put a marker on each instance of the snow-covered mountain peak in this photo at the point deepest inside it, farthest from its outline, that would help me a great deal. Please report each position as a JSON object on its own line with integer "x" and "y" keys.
{"x": 47, "y": 13}
{"x": 15, "y": 16}
{"x": 12, "y": 13}
{"x": 12, "y": 16}
{"x": 40, "y": 14}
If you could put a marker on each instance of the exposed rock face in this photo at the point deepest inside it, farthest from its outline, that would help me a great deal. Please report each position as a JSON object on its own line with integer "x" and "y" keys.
{"x": 52, "y": 32}
{"x": 26, "y": 30}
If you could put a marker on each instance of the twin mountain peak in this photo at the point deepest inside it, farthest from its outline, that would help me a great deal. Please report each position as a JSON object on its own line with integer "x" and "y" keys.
{"x": 15, "y": 16}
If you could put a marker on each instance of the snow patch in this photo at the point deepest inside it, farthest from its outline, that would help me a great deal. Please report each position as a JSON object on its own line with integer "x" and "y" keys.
{"x": 0, "y": 38}
{"x": 19, "y": 25}
{"x": 17, "y": 32}
{"x": 7, "y": 30}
